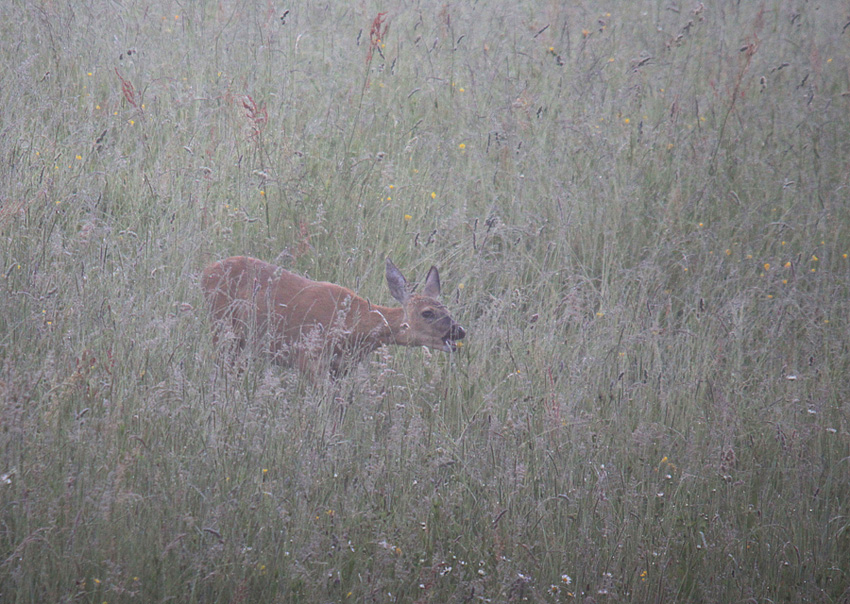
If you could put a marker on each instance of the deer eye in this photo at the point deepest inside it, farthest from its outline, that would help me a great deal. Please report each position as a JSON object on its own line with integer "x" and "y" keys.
{"x": 428, "y": 314}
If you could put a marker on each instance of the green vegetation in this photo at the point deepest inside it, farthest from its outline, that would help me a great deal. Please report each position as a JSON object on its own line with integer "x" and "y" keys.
{"x": 640, "y": 215}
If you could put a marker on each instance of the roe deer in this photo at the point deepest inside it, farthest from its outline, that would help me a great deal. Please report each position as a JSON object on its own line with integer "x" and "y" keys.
{"x": 317, "y": 325}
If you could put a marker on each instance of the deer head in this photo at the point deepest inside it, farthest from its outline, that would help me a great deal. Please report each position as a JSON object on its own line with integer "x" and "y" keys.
{"x": 426, "y": 321}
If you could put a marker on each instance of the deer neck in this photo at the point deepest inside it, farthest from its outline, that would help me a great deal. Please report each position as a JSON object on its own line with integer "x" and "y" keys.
{"x": 384, "y": 325}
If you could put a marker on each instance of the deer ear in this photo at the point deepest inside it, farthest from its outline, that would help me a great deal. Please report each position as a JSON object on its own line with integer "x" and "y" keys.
{"x": 432, "y": 284}
{"x": 397, "y": 283}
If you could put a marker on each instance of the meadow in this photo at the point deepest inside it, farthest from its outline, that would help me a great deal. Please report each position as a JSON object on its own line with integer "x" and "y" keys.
{"x": 640, "y": 215}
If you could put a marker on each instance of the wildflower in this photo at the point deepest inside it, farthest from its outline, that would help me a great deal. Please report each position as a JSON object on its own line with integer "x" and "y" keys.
{"x": 566, "y": 579}
{"x": 461, "y": 146}
{"x": 767, "y": 266}
{"x": 407, "y": 217}
{"x": 814, "y": 258}
{"x": 585, "y": 32}
{"x": 626, "y": 121}
{"x": 433, "y": 195}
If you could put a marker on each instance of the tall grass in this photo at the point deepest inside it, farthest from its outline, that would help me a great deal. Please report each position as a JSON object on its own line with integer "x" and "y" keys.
{"x": 640, "y": 215}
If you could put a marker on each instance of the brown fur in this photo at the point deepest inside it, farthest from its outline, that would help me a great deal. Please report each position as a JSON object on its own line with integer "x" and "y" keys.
{"x": 319, "y": 325}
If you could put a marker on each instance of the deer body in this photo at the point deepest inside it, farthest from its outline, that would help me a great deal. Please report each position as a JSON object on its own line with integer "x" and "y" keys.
{"x": 320, "y": 325}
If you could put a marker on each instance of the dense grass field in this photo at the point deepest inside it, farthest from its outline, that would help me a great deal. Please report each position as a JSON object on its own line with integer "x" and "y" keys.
{"x": 641, "y": 216}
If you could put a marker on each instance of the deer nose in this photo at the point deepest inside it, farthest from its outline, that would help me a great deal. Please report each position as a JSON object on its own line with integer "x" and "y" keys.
{"x": 458, "y": 332}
